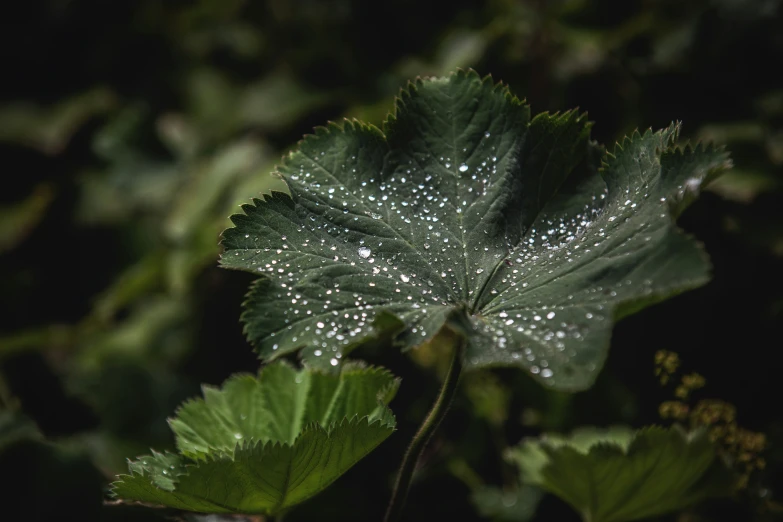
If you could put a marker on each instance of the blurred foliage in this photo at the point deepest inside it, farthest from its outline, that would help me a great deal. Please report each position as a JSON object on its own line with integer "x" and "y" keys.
{"x": 617, "y": 474}
{"x": 137, "y": 128}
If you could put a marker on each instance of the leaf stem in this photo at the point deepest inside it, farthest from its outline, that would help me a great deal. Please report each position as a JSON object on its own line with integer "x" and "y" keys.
{"x": 428, "y": 427}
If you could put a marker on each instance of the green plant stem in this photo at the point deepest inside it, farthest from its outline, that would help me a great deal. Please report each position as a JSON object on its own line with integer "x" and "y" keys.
{"x": 428, "y": 427}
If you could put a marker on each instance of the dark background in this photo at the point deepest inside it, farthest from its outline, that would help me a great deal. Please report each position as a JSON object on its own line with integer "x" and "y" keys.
{"x": 129, "y": 131}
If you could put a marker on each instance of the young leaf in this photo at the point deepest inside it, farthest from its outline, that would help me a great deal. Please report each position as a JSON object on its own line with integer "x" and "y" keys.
{"x": 262, "y": 445}
{"x": 618, "y": 475}
{"x": 466, "y": 206}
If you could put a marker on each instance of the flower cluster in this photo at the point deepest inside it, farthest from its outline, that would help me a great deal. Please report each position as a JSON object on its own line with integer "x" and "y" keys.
{"x": 666, "y": 364}
{"x": 739, "y": 446}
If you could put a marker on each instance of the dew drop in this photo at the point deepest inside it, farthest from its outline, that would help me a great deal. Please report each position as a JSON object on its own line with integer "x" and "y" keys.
{"x": 693, "y": 184}
{"x": 364, "y": 252}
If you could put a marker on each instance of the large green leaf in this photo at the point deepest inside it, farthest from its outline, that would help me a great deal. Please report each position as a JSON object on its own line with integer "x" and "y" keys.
{"x": 465, "y": 206}
{"x": 262, "y": 445}
{"x": 618, "y": 475}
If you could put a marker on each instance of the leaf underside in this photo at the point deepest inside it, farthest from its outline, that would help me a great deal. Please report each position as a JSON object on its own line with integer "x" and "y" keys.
{"x": 262, "y": 445}
{"x": 619, "y": 475}
{"x": 528, "y": 232}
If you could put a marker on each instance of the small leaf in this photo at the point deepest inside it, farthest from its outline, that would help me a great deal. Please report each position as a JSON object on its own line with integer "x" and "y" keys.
{"x": 19, "y": 219}
{"x": 516, "y": 505}
{"x": 465, "y": 205}
{"x": 618, "y": 475}
{"x": 50, "y": 128}
{"x": 262, "y": 445}
{"x": 15, "y": 427}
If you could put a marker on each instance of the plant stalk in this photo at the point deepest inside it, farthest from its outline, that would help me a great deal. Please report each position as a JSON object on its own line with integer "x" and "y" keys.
{"x": 427, "y": 428}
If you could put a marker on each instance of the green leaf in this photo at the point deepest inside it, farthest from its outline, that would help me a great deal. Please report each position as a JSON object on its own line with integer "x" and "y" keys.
{"x": 15, "y": 427}
{"x": 20, "y": 218}
{"x": 618, "y": 475}
{"x": 515, "y": 505}
{"x": 464, "y": 207}
{"x": 50, "y": 128}
{"x": 265, "y": 444}
{"x": 48, "y": 479}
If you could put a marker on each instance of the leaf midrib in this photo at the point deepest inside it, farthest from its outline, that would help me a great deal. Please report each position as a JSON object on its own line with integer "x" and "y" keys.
{"x": 540, "y": 209}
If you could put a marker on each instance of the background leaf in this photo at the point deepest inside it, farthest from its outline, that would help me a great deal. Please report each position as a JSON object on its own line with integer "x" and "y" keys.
{"x": 618, "y": 475}
{"x": 518, "y": 505}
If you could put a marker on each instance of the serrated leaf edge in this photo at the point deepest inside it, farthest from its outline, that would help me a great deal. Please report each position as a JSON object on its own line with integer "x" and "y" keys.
{"x": 384, "y": 395}
{"x": 668, "y": 144}
{"x": 246, "y": 445}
